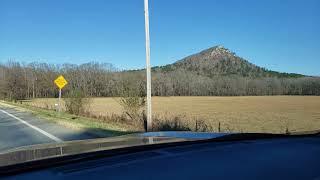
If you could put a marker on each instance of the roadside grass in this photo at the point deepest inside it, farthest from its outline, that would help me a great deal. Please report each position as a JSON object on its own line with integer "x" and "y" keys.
{"x": 97, "y": 127}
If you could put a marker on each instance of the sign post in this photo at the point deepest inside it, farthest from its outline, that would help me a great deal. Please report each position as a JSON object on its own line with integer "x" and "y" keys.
{"x": 60, "y": 82}
{"x": 59, "y": 101}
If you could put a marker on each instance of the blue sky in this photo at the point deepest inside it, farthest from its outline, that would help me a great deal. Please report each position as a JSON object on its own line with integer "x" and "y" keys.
{"x": 281, "y": 35}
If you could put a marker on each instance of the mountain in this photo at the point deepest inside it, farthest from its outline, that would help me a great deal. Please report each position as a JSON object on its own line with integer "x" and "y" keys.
{"x": 220, "y": 61}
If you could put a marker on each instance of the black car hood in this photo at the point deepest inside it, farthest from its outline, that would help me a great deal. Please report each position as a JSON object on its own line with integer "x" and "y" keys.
{"x": 46, "y": 151}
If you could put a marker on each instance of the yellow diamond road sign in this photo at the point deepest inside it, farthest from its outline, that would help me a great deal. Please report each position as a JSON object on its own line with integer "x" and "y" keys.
{"x": 60, "y": 82}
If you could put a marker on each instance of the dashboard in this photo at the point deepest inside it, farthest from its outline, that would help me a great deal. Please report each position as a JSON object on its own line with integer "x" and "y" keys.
{"x": 281, "y": 158}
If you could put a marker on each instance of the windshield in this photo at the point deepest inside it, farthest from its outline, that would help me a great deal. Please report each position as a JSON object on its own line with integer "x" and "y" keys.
{"x": 83, "y": 70}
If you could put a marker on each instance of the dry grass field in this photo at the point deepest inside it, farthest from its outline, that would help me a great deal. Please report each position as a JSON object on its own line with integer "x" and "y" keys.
{"x": 237, "y": 114}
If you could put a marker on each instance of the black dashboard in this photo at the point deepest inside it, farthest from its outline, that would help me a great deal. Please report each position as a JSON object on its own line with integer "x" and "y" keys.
{"x": 281, "y": 158}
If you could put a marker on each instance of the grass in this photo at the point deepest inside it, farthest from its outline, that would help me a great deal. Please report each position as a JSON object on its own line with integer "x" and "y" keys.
{"x": 273, "y": 114}
{"x": 96, "y": 127}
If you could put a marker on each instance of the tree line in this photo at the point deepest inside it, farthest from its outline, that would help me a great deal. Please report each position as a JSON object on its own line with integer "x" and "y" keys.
{"x": 35, "y": 80}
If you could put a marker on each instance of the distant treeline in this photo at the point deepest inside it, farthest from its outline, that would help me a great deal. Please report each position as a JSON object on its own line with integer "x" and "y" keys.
{"x": 35, "y": 80}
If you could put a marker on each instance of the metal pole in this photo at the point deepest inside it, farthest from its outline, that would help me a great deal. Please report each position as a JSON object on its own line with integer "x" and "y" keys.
{"x": 59, "y": 102}
{"x": 148, "y": 67}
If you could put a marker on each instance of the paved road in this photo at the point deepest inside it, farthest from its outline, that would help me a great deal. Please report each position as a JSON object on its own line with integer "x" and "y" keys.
{"x": 19, "y": 128}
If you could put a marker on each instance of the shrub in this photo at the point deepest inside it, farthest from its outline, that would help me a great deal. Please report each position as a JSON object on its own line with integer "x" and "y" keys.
{"x": 76, "y": 102}
{"x": 133, "y": 101}
{"x": 174, "y": 124}
{"x": 202, "y": 126}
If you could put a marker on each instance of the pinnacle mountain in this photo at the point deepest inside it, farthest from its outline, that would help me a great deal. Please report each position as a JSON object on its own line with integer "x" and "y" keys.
{"x": 220, "y": 61}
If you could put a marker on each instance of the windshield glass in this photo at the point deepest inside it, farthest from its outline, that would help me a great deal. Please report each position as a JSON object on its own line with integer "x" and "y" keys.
{"x": 79, "y": 70}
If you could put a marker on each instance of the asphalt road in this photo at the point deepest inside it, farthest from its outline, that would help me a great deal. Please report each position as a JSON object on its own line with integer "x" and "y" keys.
{"x": 19, "y": 128}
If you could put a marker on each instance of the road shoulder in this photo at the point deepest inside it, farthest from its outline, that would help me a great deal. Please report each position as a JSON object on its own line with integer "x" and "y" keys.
{"x": 72, "y": 122}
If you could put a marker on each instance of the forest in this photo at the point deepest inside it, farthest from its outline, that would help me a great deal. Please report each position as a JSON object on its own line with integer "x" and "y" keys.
{"x": 35, "y": 80}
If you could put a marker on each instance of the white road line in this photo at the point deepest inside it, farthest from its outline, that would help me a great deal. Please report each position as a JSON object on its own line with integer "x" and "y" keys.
{"x": 34, "y": 127}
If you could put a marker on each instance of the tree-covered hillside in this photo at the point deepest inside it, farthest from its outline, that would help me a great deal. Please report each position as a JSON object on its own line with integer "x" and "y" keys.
{"x": 212, "y": 72}
{"x": 219, "y": 61}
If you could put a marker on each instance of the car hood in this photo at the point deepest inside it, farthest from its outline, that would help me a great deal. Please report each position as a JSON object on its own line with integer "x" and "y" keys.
{"x": 46, "y": 151}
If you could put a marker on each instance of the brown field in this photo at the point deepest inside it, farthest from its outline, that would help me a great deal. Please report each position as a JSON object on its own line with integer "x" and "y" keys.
{"x": 241, "y": 114}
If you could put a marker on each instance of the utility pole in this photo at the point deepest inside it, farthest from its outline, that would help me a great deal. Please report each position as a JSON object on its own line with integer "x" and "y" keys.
{"x": 148, "y": 67}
